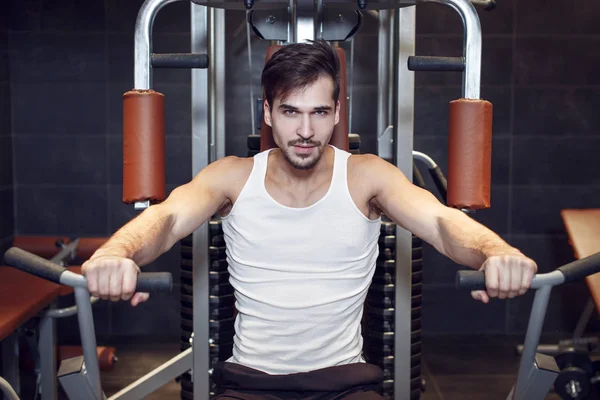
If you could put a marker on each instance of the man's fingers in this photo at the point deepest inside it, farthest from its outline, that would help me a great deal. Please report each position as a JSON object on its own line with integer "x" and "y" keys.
{"x": 491, "y": 280}
{"x": 504, "y": 283}
{"x": 129, "y": 284}
{"x": 526, "y": 280}
{"x": 481, "y": 296}
{"x": 92, "y": 279}
{"x": 115, "y": 285}
{"x": 103, "y": 285}
{"x": 516, "y": 277}
{"x": 139, "y": 298}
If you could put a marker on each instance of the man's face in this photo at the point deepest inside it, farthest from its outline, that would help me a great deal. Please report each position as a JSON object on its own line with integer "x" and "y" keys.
{"x": 303, "y": 122}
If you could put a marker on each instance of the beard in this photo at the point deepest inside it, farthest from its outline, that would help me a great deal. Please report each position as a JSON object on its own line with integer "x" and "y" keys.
{"x": 303, "y": 161}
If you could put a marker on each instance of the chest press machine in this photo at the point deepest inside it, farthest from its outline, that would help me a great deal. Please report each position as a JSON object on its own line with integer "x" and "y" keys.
{"x": 393, "y": 323}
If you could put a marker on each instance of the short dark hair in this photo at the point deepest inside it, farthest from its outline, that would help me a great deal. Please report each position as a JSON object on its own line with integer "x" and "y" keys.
{"x": 298, "y": 65}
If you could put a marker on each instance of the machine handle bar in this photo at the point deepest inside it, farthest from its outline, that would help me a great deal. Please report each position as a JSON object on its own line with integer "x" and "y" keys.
{"x": 431, "y": 63}
{"x": 488, "y": 5}
{"x": 40, "y": 267}
{"x": 180, "y": 60}
{"x": 573, "y": 271}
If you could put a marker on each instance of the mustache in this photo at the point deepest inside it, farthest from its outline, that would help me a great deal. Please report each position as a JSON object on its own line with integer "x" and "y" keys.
{"x": 304, "y": 143}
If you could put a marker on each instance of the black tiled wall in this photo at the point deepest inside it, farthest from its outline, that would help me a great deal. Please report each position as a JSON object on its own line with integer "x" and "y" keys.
{"x": 6, "y": 156}
{"x": 70, "y": 65}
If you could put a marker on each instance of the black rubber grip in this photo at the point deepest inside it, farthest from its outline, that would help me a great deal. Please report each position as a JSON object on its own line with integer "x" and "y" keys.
{"x": 579, "y": 269}
{"x": 488, "y": 5}
{"x": 180, "y": 60}
{"x": 472, "y": 280}
{"x": 440, "y": 180}
{"x": 33, "y": 264}
{"x": 425, "y": 63}
{"x": 153, "y": 282}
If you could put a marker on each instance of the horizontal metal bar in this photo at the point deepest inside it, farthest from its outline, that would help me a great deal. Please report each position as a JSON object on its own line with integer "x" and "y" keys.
{"x": 157, "y": 378}
{"x": 180, "y": 60}
{"x": 426, "y": 63}
{"x": 67, "y": 253}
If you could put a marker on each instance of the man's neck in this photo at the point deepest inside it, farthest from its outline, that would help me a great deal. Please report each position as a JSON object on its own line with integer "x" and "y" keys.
{"x": 288, "y": 173}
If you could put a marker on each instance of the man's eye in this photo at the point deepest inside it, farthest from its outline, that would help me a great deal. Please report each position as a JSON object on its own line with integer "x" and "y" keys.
{"x": 289, "y": 112}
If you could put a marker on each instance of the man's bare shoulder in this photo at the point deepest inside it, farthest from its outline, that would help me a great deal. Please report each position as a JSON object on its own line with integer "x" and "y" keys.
{"x": 232, "y": 170}
{"x": 366, "y": 166}
{"x": 234, "y": 164}
{"x": 373, "y": 173}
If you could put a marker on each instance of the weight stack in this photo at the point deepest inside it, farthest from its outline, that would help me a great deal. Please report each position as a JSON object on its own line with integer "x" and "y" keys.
{"x": 253, "y": 144}
{"x": 221, "y": 302}
{"x": 379, "y": 322}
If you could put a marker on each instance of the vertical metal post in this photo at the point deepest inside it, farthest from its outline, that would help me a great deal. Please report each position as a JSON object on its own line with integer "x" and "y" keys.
{"x": 10, "y": 361}
{"x": 383, "y": 71}
{"x": 384, "y": 83}
{"x": 306, "y": 26}
{"x": 142, "y": 56}
{"x": 47, "y": 352}
{"x": 392, "y": 64}
{"x": 200, "y": 31}
{"x": 216, "y": 82}
{"x": 471, "y": 82}
{"x": 292, "y": 11}
{"x": 85, "y": 319}
{"x": 532, "y": 339}
{"x": 403, "y": 146}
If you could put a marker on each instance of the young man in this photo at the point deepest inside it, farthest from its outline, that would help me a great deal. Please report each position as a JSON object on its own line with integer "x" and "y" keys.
{"x": 301, "y": 224}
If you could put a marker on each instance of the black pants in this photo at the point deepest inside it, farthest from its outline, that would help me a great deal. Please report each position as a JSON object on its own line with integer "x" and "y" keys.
{"x": 359, "y": 381}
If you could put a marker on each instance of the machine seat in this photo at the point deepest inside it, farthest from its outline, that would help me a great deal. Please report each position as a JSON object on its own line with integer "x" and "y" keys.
{"x": 583, "y": 228}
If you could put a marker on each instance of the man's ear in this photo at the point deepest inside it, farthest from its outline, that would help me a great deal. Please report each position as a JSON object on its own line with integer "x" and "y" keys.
{"x": 337, "y": 112}
{"x": 267, "y": 113}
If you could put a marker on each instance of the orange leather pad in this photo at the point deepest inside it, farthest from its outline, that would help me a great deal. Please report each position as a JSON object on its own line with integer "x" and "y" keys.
{"x": 88, "y": 246}
{"x": 143, "y": 146}
{"x": 469, "y": 154}
{"x": 43, "y": 246}
{"x": 106, "y": 355}
{"x": 339, "y": 138}
{"x": 22, "y": 297}
{"x": 583, "y": 228}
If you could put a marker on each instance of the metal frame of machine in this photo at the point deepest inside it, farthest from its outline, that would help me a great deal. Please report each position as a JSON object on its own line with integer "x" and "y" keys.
{"x": 307, "y": 20}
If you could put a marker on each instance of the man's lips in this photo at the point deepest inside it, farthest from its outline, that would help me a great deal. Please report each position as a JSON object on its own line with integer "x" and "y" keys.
{"x": 304, "y": 149}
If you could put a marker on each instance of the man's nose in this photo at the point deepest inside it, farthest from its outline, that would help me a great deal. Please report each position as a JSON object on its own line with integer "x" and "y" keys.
{"x": 305, "y": 129}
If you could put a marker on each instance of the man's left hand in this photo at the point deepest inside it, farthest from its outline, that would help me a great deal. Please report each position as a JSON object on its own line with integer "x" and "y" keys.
{"x": 506, "y": 276}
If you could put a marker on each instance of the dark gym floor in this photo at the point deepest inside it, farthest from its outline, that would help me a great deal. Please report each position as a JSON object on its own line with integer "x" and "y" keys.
{"x": 467, "y": 368}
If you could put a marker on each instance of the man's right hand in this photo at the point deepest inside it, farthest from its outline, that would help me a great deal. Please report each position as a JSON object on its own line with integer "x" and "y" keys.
{"x": 113, "y": 278}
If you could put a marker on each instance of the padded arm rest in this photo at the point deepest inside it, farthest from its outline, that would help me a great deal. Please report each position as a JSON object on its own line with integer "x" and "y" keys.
{"x": 88, "y": 245}
{"x": 22, "y": 297}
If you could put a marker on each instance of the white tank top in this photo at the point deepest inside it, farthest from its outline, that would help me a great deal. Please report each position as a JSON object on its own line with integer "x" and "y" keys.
{"x": 300, "y": 275}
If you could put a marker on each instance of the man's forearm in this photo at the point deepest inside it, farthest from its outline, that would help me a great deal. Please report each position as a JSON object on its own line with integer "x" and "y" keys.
{"x": 468, "y": 242}
{"x": 143, "y": 239}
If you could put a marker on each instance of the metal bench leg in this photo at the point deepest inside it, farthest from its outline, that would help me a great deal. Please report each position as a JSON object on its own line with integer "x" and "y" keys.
{"x": 10, "y": 361}
{"x": 584, "y": 319}
{"x": 47, "y": 352}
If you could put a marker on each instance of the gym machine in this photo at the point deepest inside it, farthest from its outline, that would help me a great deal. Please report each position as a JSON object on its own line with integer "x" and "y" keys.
{"x": 538, "y": 372}
{"x": 79, "y": 376}
{"x": 207, "y": 319}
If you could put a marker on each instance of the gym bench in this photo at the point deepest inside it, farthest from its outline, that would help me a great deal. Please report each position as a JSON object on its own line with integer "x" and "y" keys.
{"x": 24, "y": 297}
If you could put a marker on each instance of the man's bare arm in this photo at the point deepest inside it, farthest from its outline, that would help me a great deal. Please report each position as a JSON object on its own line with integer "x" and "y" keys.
{"x": 508, "y": 272}
{"x": 450, "y": 231}
{"x": 160, "y": 226}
